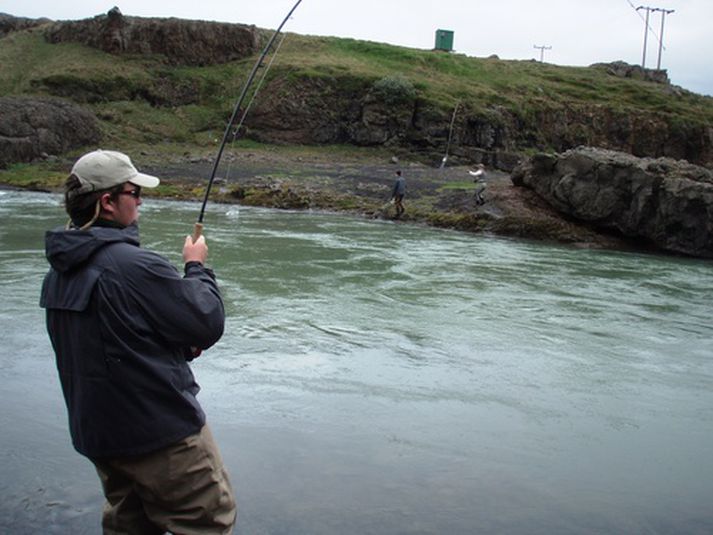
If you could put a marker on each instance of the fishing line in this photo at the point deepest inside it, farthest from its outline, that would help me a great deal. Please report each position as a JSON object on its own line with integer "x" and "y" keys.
{"x": 198, "y": 228}
{"x": 258, "y": 87}
{"x": 647, "y": 24}
{"x": 236, "y": 130}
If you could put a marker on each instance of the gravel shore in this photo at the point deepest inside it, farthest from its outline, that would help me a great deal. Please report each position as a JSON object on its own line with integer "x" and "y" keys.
{"x": 362, "y": 185}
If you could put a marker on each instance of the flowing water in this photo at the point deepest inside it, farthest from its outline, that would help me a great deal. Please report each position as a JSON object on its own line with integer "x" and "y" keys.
{"x": 380, "y": 378}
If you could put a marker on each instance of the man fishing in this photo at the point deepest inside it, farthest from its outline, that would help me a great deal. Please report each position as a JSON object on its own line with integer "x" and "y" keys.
{"x": 479, "y": 178}
{"x": 124, "y": 325}
{"x": 398, "y": 193}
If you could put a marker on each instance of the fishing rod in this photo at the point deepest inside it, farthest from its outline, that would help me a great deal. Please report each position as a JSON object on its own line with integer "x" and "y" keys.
{"x": 198, "y": 228}
{"x": 450, "y": 135}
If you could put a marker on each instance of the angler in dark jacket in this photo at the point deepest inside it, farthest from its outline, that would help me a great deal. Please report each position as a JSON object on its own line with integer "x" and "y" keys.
{"x": 124, "y": 324}
{"x": 398, "y": 193}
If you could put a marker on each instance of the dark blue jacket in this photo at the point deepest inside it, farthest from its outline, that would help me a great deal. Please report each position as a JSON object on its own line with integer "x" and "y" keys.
{"x": 121, "y": 320}
{"x": 399, "y": 187}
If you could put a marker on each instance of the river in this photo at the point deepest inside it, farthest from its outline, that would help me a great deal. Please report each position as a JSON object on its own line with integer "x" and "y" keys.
{"x": 381, "y": 378}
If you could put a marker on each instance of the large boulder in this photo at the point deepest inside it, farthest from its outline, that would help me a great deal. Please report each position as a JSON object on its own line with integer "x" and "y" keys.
{"x": 665, "y": 202}
{"x": 33, "y": 127}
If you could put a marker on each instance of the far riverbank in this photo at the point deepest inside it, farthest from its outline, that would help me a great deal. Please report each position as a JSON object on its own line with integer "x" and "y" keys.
{"x": 358, "y": 184}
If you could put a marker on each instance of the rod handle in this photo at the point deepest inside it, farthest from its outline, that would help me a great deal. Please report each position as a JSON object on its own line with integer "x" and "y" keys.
{"x": 197, "y": 231}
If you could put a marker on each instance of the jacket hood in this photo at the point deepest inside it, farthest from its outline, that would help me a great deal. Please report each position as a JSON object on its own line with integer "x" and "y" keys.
{"x": 68, "y": 249}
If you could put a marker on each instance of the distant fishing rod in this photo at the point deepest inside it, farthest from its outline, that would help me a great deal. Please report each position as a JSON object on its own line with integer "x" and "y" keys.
{"x": 198, "y": 229}
{"x": 450, "y": 135}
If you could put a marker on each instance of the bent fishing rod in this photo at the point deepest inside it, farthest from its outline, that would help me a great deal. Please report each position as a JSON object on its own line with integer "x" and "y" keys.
{"x": 198, "y": 229}
{"x": 450, "y": 135}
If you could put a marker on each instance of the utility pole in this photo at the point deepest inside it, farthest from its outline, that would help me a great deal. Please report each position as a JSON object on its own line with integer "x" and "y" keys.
{"x": 649, "y": 10}
{"x": 542, "y": 51}
{"x": 664, "y": 12}
{"x": 646, "y": 33}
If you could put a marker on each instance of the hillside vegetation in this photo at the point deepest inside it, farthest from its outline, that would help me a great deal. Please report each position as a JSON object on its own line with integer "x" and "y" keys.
{"x": 331, "y": 91}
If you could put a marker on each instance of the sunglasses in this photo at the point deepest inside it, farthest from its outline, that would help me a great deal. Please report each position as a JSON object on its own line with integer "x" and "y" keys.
{"x": 135, "y": 193}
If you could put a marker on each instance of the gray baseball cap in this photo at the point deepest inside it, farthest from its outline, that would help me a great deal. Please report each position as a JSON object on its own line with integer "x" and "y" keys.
{"x": 104, "y": 169}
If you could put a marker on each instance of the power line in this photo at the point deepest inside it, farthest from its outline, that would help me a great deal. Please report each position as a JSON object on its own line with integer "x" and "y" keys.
{"x": 647, "y": 28}
{"x": 643, "y": 19}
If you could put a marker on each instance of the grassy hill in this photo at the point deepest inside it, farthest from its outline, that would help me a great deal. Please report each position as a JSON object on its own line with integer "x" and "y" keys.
{"x": 141, "y": 99}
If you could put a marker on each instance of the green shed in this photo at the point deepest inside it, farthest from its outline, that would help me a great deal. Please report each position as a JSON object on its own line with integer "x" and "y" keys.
{"x": 444, "y": 40}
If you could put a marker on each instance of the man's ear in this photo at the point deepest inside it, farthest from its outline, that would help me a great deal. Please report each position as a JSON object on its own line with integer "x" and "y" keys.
{"x": 107, "y": 204}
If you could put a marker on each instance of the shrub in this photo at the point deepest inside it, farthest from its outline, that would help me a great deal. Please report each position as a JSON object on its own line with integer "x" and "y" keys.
{"x": 393, "y": 90}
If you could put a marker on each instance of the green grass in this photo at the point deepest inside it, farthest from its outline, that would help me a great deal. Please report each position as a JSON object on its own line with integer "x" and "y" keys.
{"x": 445, "y": 79}
{"x": 457, "y": 185}
{"x": 41, "y": 175}
{"x": 164, "y": 191}
{"x": 26, "y": 59}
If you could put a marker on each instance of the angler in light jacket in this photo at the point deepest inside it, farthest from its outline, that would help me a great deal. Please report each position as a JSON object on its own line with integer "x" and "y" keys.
{"x": 124, "y": 325}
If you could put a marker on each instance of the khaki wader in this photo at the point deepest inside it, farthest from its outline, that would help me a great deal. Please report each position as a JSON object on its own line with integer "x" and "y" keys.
{"x": 182, "y": 489}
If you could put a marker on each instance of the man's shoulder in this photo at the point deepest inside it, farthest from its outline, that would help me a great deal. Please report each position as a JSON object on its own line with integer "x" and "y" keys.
{"x": 129, "y": 254}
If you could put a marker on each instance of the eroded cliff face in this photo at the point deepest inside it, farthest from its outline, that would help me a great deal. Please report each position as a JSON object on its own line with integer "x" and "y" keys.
{"x": 348, "y": 110}
{"x": 664, "y": 202}
{"x": 642, "y": 134}
{"x": 181, "y": 42}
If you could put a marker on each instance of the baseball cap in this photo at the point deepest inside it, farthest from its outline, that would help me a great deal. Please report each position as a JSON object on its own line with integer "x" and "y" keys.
{"x": 104, "y": 169}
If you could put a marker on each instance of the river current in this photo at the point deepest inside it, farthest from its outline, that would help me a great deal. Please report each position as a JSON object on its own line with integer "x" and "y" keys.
{"x": 381, "y": 378}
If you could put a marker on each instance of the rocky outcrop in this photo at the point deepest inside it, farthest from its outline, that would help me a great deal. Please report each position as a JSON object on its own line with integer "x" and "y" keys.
{"x": 9, "y": 24}
{"x": 346, "y": 109}
{"x": 622, "y": 69}
{"x": 181, "y": 42}
{"x": 382, "y": 112}
{"x": 31, "y": 128}
{"x": 664, "y": 202}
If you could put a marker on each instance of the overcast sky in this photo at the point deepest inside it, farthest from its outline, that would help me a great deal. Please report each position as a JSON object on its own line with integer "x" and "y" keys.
{"x": 579, "y": 32}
